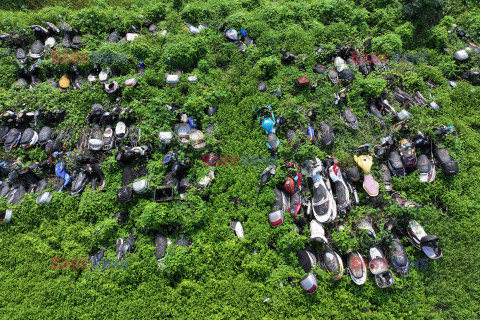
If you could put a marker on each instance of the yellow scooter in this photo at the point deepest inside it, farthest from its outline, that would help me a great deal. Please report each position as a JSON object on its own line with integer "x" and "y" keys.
{"x": 365, "y": 162}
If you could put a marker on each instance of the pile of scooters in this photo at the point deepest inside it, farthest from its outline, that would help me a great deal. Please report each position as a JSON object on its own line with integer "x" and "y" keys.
{"x": 318, "y": 192}
{"x": 47, "y": 38}
{"x": 332, "y": 195}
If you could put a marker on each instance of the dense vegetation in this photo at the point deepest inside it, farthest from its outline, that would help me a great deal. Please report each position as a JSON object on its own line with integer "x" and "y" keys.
{"x": 221, "y": 276}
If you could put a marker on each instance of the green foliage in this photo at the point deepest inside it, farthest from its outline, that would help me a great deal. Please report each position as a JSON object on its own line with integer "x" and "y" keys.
{"x": 387, "y": 43}
{"x": 269, "y": 65}
{"x": 423, "y": 11}
{"x": 232, "y": 276}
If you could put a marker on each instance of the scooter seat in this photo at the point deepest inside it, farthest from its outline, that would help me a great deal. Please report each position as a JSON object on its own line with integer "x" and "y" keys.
{"x": 12, "y": 136}
{"x": 423, "y": 164}
{"x": 428, "y": 239}
{"x": 442, "y": 155}
{"x": 321, "y": 204}
{"x": 370, "y": 185}
{"x": 395, "y": 161}
{"x": 295, "y": 204}
{"x": 4, "y": 189}
{"x": 450, "y": 168}
{"x": 45, "y": 134}
{"x": 124, "y": 194}
{"x": 27, "y": 136}
{"x": 340, "y": 193}
{"x": 161, "y": 244}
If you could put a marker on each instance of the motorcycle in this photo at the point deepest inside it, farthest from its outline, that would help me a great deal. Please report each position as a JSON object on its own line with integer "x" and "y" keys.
{"x": 329, "y": 259}
{"x": 49, "y": 117}
{"x": 197, "y": 139}
{"x": 4, "y": 130}
{"x": 307, "y": 260}
{"x": 127, "y": 155}
{"x": 12, "y": 139}
{"x": 352, "y": 175}
{"x": 294, "y": 186}
{"x": 124, "y": 194}
{"x": 56, "y": 145}
{"x": 365, "y": 162}
{"x": 407, "y": 152}
{"x": 332, "y": 263}
{"x": 96, "y": 138}
{"x": 342, "y": 195}
{"x": 266, "y": 175}
{"x": 182, "y": 131}
{"x": 350, "y": 119}
{"x": 268, "y": 122}
{"x": 378, "y": 263}
{"x": 323, "y": 204}
{"x": 21, "y": 56}
{"x": 165, "y": 138}
{"x": 415, "y": 233}
{"x": 36, "y": 49}
{"x": 379, "y": 267}
{"x": 317, "y": 232}
{"x": 183, "y": 186}
{"x": 88, "y": 173}
{"x": 272, "y": 142}
{"x": 386, "y": 177}
{"x": 52, "y": 29}
{"x": 278, "y": 208}
{"x": 356, "y": 267}
{"x": 67, "y": 31}
{"x": 395, "y": 250}
{"x": 108, "y": 138}
{"x": 46, "y": 134}
{"x": 15, "y": 194}
{"x": 121, "y": 131}
{"x": 124, "y": 246}
{"x": 161, "y": 245}
{"x": 403, "y": 202}
{"x": 61, "y": 172}
{"x": 449, "y": 166}
{"x": 327, "y": 136}
{"x": 426, "y": 169}
{"x": 395, "y": 164}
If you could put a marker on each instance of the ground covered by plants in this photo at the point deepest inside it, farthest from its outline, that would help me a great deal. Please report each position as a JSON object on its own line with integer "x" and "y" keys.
{"x": 221, "y": 276}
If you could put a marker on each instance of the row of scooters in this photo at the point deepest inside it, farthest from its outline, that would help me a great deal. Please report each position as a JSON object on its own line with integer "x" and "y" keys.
{"x": 379, "y": 254}
{"x": 398, "y": 157}
{"x": 324, "y": 207}
{"x": 19, "y": 131}
{"x": 23, "y": 179}
{"x": 334, "y": 193}
{"x": 321, "y": 250}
